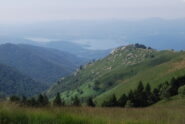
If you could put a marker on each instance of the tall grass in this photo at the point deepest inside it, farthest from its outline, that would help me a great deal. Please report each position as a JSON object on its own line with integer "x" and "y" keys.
{"x": 159, "y": 114}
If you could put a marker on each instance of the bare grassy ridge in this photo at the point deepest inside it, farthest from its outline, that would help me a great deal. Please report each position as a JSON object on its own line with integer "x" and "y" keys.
{"x": 170, "y": 112}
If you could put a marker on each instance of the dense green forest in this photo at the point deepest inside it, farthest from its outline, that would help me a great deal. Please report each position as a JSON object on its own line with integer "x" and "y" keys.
{"x": 12, "y": 82}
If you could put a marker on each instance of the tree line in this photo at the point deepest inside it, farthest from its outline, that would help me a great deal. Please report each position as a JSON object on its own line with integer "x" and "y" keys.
{"x": 43, "y": 101}
{"x": 142, "y": 96}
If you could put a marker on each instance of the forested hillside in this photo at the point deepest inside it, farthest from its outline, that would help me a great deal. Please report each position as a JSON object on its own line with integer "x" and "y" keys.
{"x": 12, "y": 82}
{"x": 42, "y": 64}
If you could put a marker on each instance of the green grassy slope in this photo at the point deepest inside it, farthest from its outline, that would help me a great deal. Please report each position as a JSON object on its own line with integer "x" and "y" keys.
{"x": 171, "y": 102}
{"x": 121, "y": 71}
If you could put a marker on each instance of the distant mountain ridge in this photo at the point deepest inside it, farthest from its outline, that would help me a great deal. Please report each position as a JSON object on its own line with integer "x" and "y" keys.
{"x": 121, "y": 71}
{"x": 156, "y": 32}
{"x": 75, "y": 49}
{"x": 42, "y": 64}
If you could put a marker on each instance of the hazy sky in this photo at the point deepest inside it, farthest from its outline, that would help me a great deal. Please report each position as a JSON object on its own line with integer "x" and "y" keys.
{"x": 13, "y": 11}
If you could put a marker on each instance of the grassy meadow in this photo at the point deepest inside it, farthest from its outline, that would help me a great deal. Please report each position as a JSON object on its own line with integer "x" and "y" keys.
{"x": 170, "y": 111}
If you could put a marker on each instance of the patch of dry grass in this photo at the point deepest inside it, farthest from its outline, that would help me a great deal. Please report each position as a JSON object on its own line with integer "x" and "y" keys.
{"x": 158, "y": 114}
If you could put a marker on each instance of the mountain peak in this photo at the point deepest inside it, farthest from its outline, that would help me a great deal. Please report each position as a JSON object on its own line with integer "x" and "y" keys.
{"x": 117, "y": 49}
{"x": 130, "y": 48}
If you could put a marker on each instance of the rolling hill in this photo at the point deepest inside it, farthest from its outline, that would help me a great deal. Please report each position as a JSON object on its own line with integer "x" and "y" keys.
{"x": 12, "y": 82}
{"x": 121, "y": 71}
{"x": 42, "y": 64}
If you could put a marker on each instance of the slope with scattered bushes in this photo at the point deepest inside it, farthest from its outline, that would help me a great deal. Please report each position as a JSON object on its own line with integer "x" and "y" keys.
{"x": 120, "y": 72}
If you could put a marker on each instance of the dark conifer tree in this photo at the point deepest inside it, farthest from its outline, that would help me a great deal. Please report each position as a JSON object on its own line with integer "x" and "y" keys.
{"x": 46, "y": 100}
{"x": 122, "y": 100}
{"x": 173, "y": 87}
{"x": 148, "y": 89}
{"x": 155, "y": 95}
{"x": 33, "y": 102}
{"x": 24, "y": 100}
{"x": 76, "y": 101}
{"x": 40, "y": 100}
{"x": 57, "y": 101}
{"x": 90, "y": 102}
{"x": 139, "y": 95}
{"x": 131, "y": 97}
{"x": 147, "y": 95}
{"x": 140, "y": 87}
{"x": 113, "y": 101}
